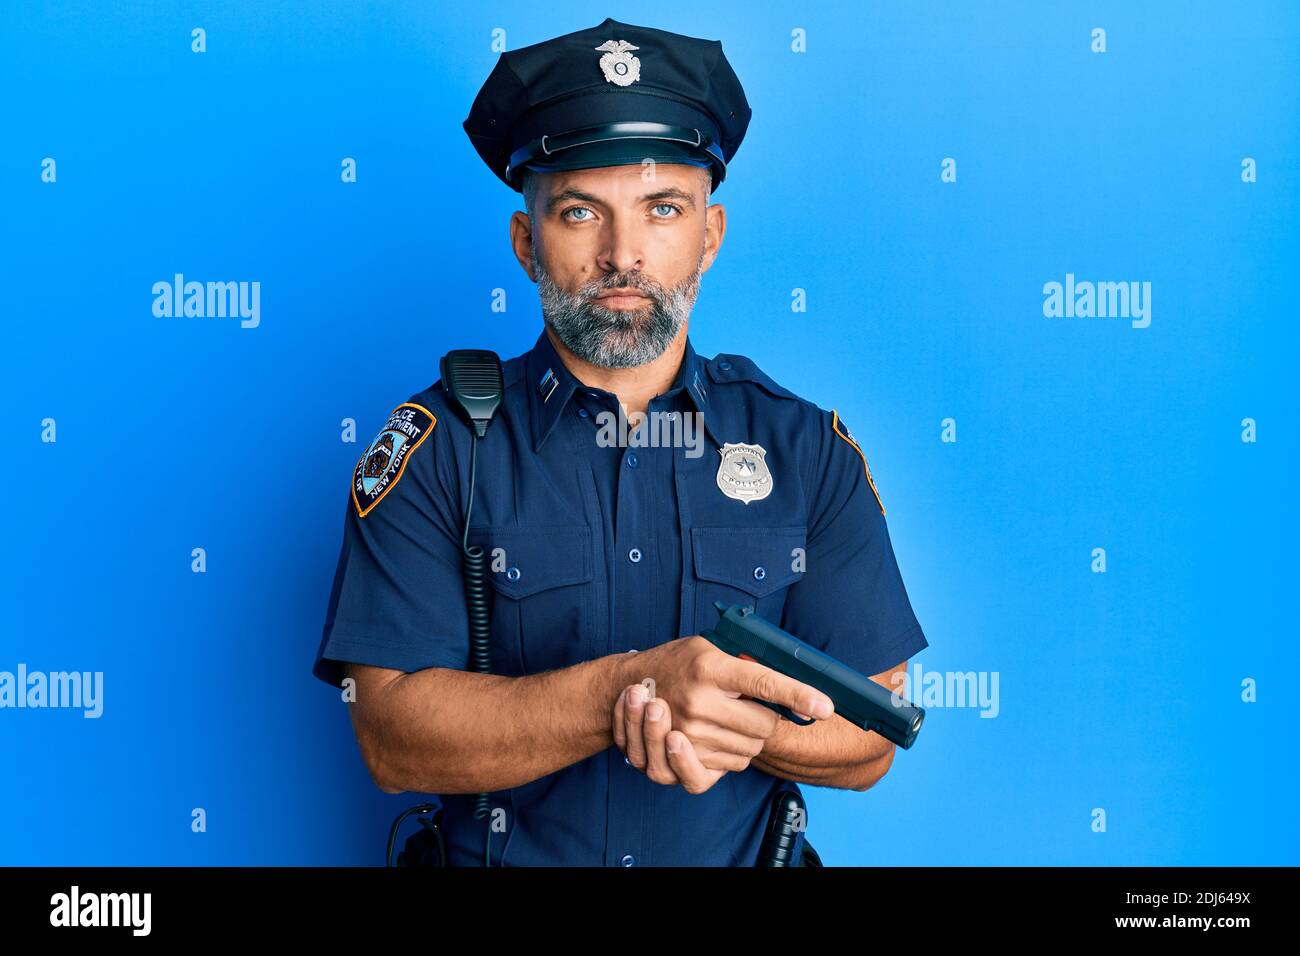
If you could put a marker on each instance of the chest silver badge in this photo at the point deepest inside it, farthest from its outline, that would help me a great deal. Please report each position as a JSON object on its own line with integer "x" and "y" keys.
{"x": 618, "y": 64}
{"x": 743, "y": 473}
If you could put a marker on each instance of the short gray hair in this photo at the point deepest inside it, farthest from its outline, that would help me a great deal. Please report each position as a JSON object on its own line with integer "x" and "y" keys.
{"x": 528, "y": 186}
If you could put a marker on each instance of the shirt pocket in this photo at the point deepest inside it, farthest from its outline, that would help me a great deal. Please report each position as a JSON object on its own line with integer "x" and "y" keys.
{"x": 746, "y": 566}
{"x": 541, "y": 577}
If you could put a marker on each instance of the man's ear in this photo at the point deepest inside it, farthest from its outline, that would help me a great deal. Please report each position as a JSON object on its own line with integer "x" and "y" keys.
{"x": 715, "y": 222}
{"x": 715, "y": 227}
{"x": 521, "y": 241}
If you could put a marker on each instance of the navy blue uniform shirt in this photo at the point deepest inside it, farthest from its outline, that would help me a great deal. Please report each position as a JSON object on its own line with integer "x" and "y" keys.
{"x": 608, "y": 549}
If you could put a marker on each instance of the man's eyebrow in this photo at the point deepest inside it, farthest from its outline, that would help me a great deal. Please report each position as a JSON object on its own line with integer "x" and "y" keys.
{"x": 567, "y": 194}
{"x": 671, "y": 192}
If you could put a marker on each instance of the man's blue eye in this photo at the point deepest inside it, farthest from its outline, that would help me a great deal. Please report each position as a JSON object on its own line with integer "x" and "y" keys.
{"x": 577, "y": 209}
{"x": 666, "y": 205}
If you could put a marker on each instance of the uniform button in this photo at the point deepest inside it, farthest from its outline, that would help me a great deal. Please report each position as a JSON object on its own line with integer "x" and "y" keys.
{"x": 632, "y": 460}
{"x": 724, "y": 366}
{"x": 759, "y": 574}
{"x": 512, "y": 574}
{"x": 626, "y": 761}
{"x": 582, "y": 413}
{"x": 628, "y": 860}
{"x": 634, "y": 555}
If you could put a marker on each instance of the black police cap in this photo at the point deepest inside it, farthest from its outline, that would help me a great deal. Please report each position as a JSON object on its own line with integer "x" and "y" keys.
{"x": 608, "y": 96}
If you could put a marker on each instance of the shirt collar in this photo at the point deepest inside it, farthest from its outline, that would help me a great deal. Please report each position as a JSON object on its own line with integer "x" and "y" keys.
{"x": 551, "y": 385}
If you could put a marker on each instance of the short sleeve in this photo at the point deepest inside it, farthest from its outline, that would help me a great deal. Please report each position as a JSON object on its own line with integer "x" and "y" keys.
{"x": 397, "y": 599}
{"x": 851, "y": 602}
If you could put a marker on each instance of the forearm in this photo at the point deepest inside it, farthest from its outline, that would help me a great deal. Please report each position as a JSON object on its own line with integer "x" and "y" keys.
{"x": 449, "y": 731}
{"x": 828, "y": 753}
{"x": 831, "y": 753}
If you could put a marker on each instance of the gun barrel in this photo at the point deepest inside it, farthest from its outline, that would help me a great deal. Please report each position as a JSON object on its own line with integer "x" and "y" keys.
{"x": 858, "y": 699}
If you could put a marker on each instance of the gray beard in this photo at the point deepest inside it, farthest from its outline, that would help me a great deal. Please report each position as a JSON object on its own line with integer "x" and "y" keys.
{"x": 617, "y": 338}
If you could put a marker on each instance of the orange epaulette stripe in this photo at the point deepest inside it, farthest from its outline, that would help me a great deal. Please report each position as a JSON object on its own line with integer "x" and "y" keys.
{"x": 835, "y": 426}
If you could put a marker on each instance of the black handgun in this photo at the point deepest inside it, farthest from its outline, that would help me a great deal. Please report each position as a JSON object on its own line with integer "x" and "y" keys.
{"x": 861, "y": 701}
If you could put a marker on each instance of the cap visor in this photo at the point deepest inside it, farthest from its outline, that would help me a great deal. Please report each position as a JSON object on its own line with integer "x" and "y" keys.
{"x": 621, "y": 152}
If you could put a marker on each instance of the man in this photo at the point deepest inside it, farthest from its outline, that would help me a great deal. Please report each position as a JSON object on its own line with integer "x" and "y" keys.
{"x": 609, "y": 547}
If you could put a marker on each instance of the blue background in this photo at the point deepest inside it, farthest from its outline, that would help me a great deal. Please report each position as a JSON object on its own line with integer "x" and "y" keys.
{"x": 1118, "y": 690}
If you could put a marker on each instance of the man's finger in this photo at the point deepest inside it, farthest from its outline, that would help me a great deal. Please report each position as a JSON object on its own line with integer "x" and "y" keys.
{"x": 748, "y": 718}
{"x": 656, "y": 724}
{"x": 763, "y": 683}
{"x": 721, "y": 760}
{"x": 636, "y": 698}
{"x": 724, "y": 740}
{"x": 694, "y": 776}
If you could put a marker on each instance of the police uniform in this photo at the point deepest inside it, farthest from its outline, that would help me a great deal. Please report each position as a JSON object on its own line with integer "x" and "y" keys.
{"x": 602, "y": 548}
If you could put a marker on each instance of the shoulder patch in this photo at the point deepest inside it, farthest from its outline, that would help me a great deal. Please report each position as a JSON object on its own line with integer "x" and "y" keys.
{"x": 843, "y": 431}
{"x": 381, "y": 465}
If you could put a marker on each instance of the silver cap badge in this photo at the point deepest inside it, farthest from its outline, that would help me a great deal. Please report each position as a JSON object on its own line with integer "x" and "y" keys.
{"x": 618, "y": 64}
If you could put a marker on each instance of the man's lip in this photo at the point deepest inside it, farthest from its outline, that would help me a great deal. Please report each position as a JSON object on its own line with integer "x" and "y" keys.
{"x": 618, "y": 293}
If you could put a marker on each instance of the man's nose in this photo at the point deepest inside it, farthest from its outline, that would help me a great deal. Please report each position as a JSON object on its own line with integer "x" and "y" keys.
{"x": 623, "y": 248}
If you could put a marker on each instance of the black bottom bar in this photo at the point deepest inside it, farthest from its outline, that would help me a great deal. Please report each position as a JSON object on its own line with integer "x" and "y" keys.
{"x": 917, "y": 904}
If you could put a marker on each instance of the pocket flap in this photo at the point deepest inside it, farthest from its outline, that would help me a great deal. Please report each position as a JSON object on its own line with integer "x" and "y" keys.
{"x": 759, "y": 561}
{"x": 535, "y": 558}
